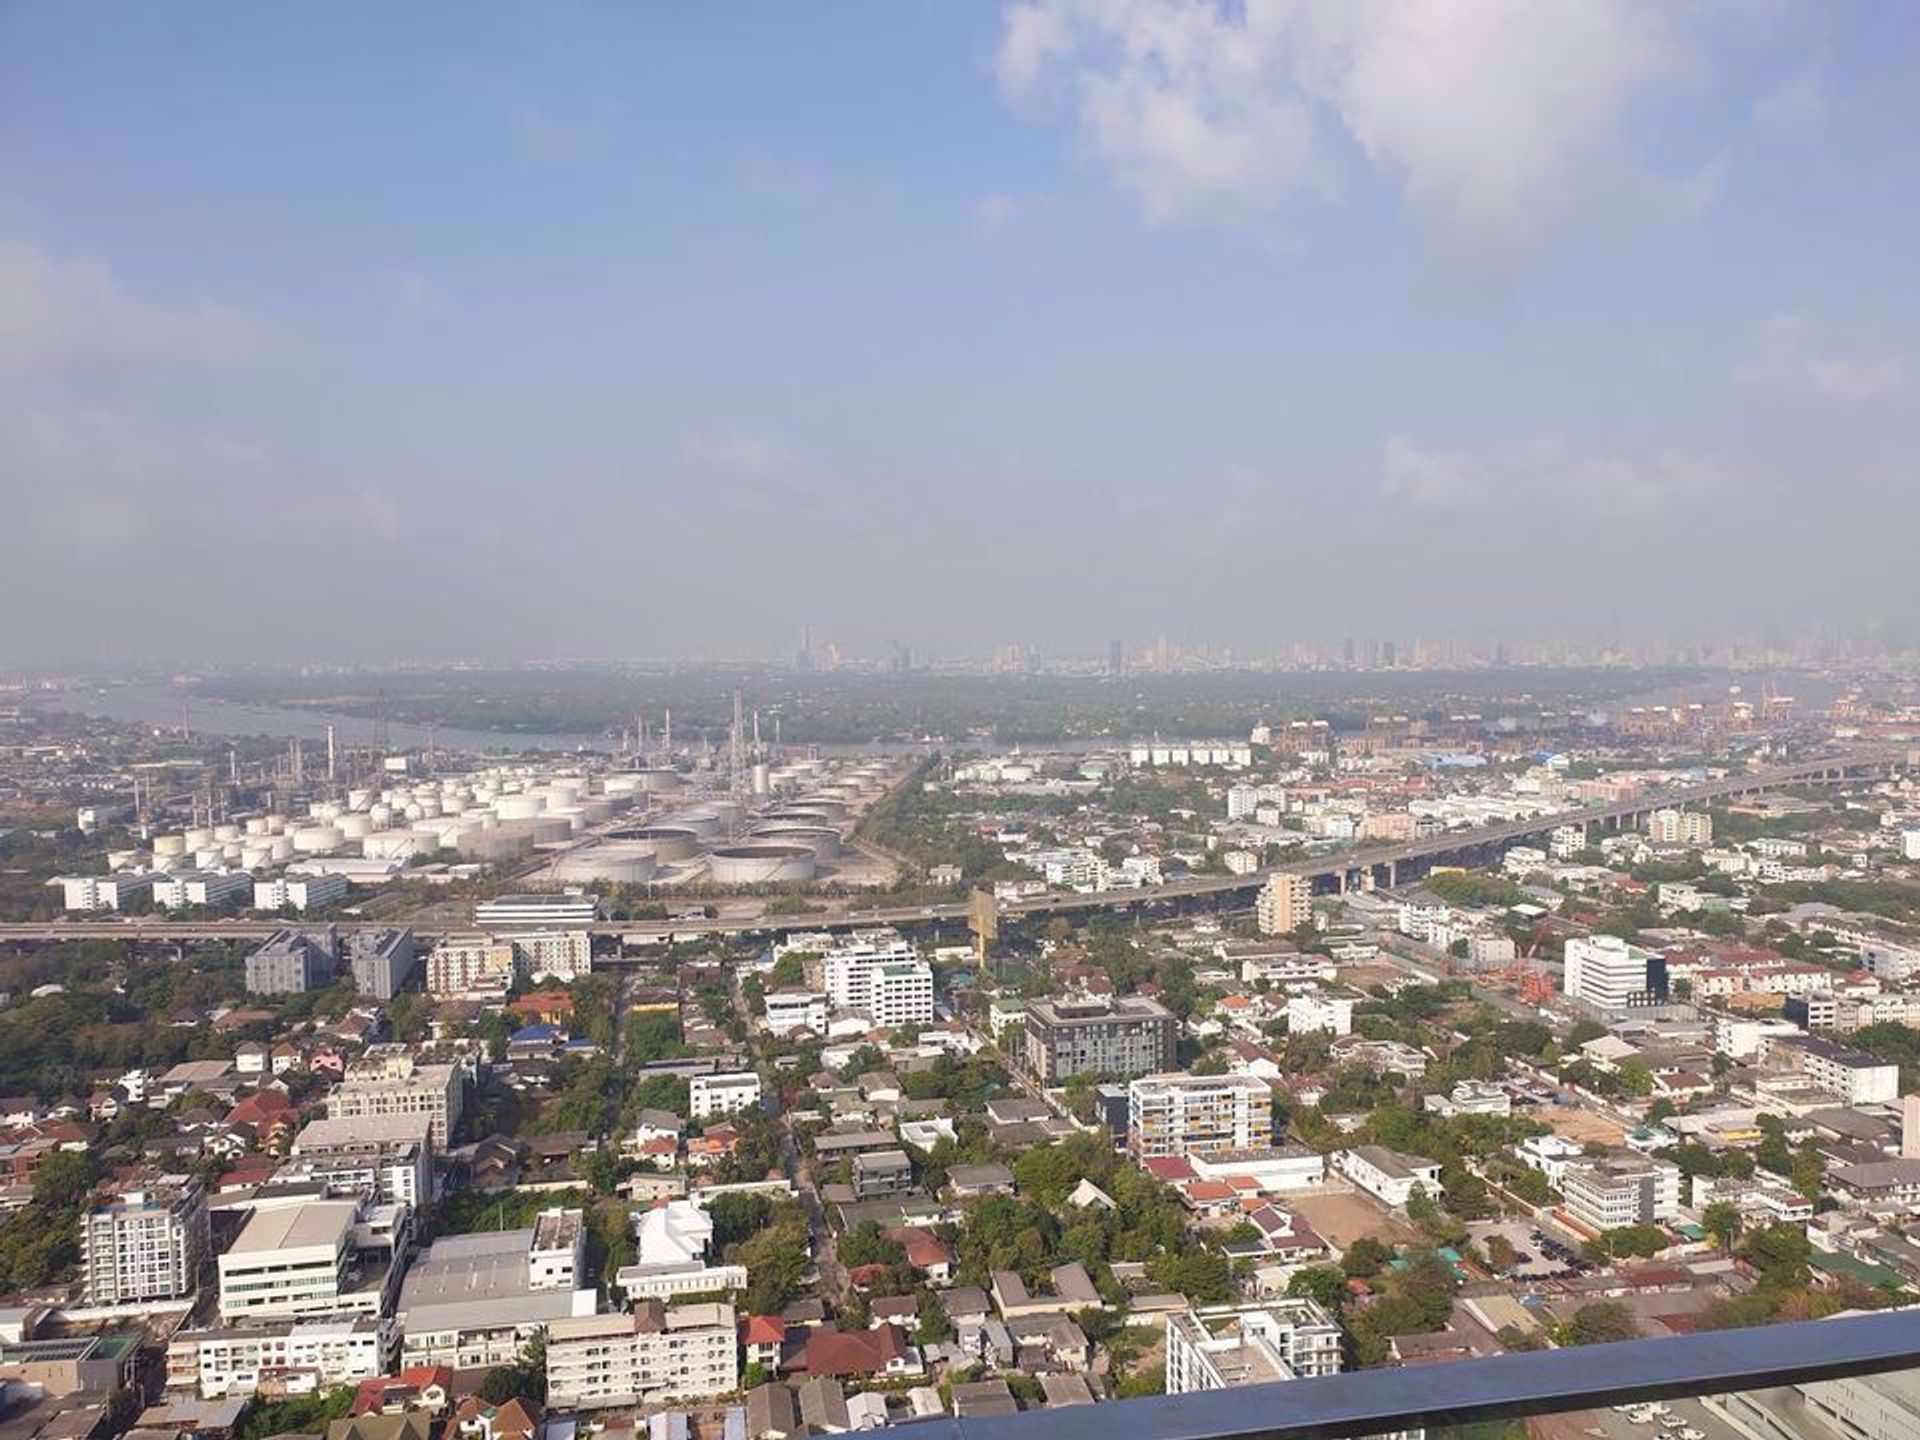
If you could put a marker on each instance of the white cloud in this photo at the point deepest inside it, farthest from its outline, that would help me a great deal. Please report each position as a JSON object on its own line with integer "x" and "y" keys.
{"x": 1818, "y": 359}
{"x": 1502, "y": 121}
{"x": 53, "y": 309}
{"x": 1547, "y": 481}
{"x": 380, "y": 511}
{"x": 997, "y": 211}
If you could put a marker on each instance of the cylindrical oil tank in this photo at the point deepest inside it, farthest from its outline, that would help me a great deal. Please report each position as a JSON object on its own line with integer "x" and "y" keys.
{"x": 225, "y": 834}
{"x": 207, "y": 859}
{"x": 325, "y": 810}
{"x": 169, "y": 845}
{"x": 656, "y": 780}
{"x": 760, "y": 863}
{"x": 494, "y": 845}
{"x": 824, "y": 842}
{"x": 426, "y": 839}
{"x": 701, "y": 822}
{"x": 122, "y": 859}
{"x": 519, "y": 807}
{"x": 356, "y": 826}
{"x": 255, "y": 855}
{"x": 762, "y": 780}
{"x": 276, "y": 824}
{"x": 729, "y": 811}
{"x": 666, "y": 843}
{"x": 801, "y": 815}
{"x": 317, "y": 839}
{"x": 359, "y": 798}
{"x": 547, "y": 829}
{"x": 381, "y": 814}
{"x": 389, "y": 845}
{"x": 257, "y": 825}
{"x": 280, "y": 847}
{"x": 616, "y": 864}
{"x": 198, "y": 838}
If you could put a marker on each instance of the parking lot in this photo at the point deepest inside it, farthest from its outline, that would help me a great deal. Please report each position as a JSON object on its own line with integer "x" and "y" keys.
{"x": 1541, "y": 1260}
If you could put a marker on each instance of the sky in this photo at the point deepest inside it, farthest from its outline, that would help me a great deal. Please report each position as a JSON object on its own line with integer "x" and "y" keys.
{"x": 405, "y": 331}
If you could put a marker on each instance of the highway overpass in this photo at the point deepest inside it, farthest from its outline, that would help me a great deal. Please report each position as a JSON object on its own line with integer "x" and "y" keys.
{"x": 1342, "y": 867}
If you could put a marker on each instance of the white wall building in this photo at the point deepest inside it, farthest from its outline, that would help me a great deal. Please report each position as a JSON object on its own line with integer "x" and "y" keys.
{"x": 1605, "y": 971}
{"x": 727, "y": 1093}
{"x": 657, "y": 1353}
{"x": 298, "y": 892}
{"x": 1312, "y": 1013}
{"x": 1387, "y": 1174}
{"x": 1225, "y": 1347}
{"x": 1197, "y": 1114}
{"x": 792, "y": 1010}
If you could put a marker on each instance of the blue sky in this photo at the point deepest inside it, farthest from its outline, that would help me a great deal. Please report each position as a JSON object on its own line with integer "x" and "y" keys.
{"x": 575, "y": 329}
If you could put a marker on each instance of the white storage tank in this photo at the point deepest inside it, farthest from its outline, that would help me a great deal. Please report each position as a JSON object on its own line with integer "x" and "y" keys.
{"x": 317, "y": 839}
{"x": 355, "y": 826}
{"x": 169, "y": 845}
{"x": 760, "y": 863}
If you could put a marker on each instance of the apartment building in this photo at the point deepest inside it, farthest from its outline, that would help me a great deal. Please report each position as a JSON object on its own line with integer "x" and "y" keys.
{"x": 878, "y": 972}
{"x": 292, "y": 962}
{"x": 290, "y": 1357}
{"x": 88, "y": 893}
{"x": 727, "y": 1093}
{"x": 299, "y": 892}
{"x": 1284, "y": 904}
{"x": 657, "y": 1353}
{"x": 900, "y": 992}
{"x": 1219, "y": 1348}
{"x": 1126, "y": 1036}
{"x": 203, "y": 888}
{"x": 792, "y": 1010}
{"x": 388, "y": 1157}
{"x": 144, "y": 1245}
{"x": 470, "y": 967}
{"x": 562, "y": 955}
{"x": 1857, "y": 1077}
{"x": 1612, "y": 1191}
{"x": 381, "y": 961}
{"x": 1311, "y": 1012}
{"x": 1197, "y": 1114}
{"x": 1680, "y": 827}
{"x": 387, "y": 1081}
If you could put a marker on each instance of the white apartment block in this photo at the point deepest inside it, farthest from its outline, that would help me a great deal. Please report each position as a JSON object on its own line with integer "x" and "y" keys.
{"x": 1224, "y": 1347}
{"x": 792, "y": 1010}
{"x": 298, "y": 892}
{"x": 87, "y": 893}
{"x": 724, "y": 1094}
{"x": 1608, "y": 1193}
{"x": 1490, "y": 950}
{"x": 1285, "y": 904}
{"x": 201, "y": 888}
{"x": 394, "y": 1083}
{"x": 294, "y": 1358}
{"x": 1197, "y": 1114}
{"x": 1857, "y": 1077}
{"x": 1896, "y": 964}
{"x": 657, "y": 1353}
{"x": 389, "y": 1158}
{"x": 900, "y": 993}
{"x": 846, "y": 965}
{"x": 145, "y": 1245}
{"x": 470, "y": 967}
{"x": 1680, "y": 827}
{"x": 1309, "y": 1014}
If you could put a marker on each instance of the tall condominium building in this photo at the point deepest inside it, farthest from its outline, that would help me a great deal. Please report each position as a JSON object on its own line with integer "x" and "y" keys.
{"x": 1285, "y": 904}
{"x": 1613, "y": 1191}
{"x": 293, "y": 962}
{"x": 1608, "y": 973}
{"x": 1228, "y": 1346}
{"x": 470, "y": 966}
{"x": 388, "y": 1081}
{"x": 847, "y": 964}
{"x": 1197, "y": 1114}
{"x": 382, "y": 961}
{"x": 144, "y": 1245}
{"x": 900, "y": 992}
{"x": 682, "y": 1352}
{"x": 1122, "y": 1037}
{"x": 563, "y": 955}
{"x": 1680, "y": 827}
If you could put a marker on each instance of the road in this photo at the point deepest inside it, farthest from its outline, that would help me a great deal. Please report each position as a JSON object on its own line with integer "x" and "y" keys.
{"x": 1341, "y": 864}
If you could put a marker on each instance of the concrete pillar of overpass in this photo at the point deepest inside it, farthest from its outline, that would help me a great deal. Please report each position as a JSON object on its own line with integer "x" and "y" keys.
{"x": 1343, "y": 882}
{"x": 1393, "y": 874}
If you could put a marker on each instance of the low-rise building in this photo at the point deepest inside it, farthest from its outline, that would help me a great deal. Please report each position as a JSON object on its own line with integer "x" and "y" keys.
{"x": 1224, "y": 1347}
{"x": 727, "y": 1093}
{"x": 1388, "y": 1174}
{"x": 1617, "y": 1190}
{"x": 656, "y": 1353}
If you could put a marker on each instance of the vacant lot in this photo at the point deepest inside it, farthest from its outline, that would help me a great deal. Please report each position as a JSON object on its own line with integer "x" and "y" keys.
{"x": 1341, "y": 1218}
{"x": 1583, "y": 1127}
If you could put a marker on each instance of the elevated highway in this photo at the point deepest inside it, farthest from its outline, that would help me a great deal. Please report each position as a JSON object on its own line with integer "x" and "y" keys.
{"x": 1339, "y": 868}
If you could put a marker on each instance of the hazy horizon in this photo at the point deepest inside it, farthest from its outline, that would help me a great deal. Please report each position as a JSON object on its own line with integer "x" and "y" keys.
{"x": 590, "y": 330}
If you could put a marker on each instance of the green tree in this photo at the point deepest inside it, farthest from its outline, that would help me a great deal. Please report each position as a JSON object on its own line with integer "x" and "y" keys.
{"x": 1722, "y": 1221}
{"x": 1600, "y": 1323}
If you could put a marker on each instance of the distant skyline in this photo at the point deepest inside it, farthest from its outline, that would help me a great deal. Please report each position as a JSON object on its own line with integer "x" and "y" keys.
{"x": 583, "y": 329}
